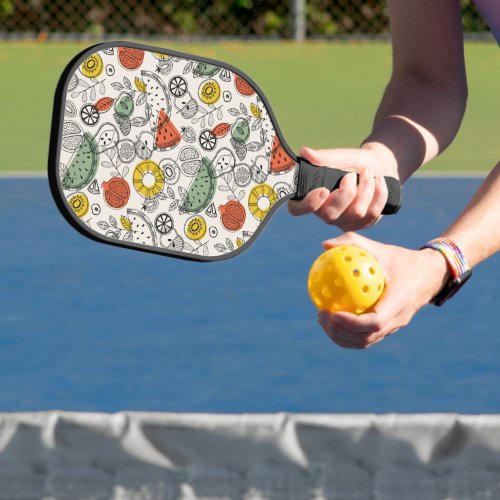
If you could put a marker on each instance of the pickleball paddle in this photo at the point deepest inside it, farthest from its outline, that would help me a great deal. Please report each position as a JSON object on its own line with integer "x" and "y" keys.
{"x": 166, "y": 152}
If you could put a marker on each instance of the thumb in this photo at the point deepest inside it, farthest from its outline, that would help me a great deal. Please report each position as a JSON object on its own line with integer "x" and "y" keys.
{"x": 349, "y": 238}
{"x": 347, "y": 158}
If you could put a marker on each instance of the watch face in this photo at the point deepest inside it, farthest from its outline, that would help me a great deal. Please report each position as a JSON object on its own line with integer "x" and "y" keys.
{"x": 451, "y": 288}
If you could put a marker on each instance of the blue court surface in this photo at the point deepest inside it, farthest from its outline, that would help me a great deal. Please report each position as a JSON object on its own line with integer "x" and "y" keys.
{"x": 86, "y": 326}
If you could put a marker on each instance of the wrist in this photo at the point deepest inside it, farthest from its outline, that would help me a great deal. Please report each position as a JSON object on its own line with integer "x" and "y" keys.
{"x": 437, "y": 272}
{"x": 386, "y": 156}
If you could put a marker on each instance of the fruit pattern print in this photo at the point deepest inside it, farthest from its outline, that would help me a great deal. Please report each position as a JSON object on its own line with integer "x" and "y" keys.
{"x": 169, "y": 152}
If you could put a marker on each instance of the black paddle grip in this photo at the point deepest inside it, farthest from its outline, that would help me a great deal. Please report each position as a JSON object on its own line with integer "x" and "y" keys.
{"x": 311, "y": 177}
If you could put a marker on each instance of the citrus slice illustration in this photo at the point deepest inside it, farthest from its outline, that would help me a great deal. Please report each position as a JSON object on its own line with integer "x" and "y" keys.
{"x": 207, "y": 140}
{"x": 89, "y": 115}
{"x": 196, "y": 228}
{"x": 130, "y": 58}
{"x": 83, "y": 166}
{"x": 79, "y": 203}
{"x": 209, "y": 92}
{"x": 225, "y": 75}
{"x": 126, "y": 150}
{"x": 142, "y": 229}
{"x": 201, "y": 190}
{"x": 92, "y": 66}
{"x": 148, "y": 179}
{"x": 177, "y": 86}
{"x": 171, "y": 170}
{"x": 164, "y": 223}
{"x": 261, "y": 199}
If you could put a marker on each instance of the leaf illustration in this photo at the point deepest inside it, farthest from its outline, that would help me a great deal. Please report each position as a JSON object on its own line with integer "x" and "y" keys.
{"x": 229, "y": 244}
{"x": 141, "y": 99}
{"x": 126, "y": 223}
{"x": 170, "y": 192}
{"x": 188, "y": 67}
{"x": 107, "y": 164}
{"x": 182, "y": 191}
{"x": 255, "y": 110}
{"x": 125, "y": 127}
{"x": 173, "y": 205}
{"x": 205, "y": 250}
{"x": 223, "y": 187}
{"x": 117, "y": 86}
{"x": 233, "y": 111}
{"x": 115, "y": 174}
{"x": 220, "y": 247}
{"x": 219, "y": 113}
{"x": 128, "y": 236}
{"x": 202, "y": 121}
{"x": 231, "y": 197}
{"x": 221, "y": 130}
{"x": 92, "y": 93}
{"x": 75, "y": 94}
{"x": 103, "y": 225}
{"x": 84, "y": 96}
{"x": 140, "y": 85}
{"x": 111, "y": 152}
{"x": 125, "y": 171}
{"x": 112, "y": 221}
{"x": 210, "y": 120}
{"x": 83, "y": 83}
{"x": 243, "y": 109}
{"x": 103, "y": 104}
{"x": 254, "y": 146}
{"x": 118, "y": 163}
{"x": 127, "y": 83}
{"x": 102, "y": 88}
{"x": 257, "y": 124}
{"x": 162, "y": 196}
{"x": 241, "y": 195}
{"x": 138, "y": 121}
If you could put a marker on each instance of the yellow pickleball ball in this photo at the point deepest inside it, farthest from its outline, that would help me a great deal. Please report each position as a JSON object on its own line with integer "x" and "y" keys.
{"x": 346, "y": 278}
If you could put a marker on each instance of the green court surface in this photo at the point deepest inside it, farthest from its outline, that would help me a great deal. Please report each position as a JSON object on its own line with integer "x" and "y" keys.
{"x": 323, "y": 94}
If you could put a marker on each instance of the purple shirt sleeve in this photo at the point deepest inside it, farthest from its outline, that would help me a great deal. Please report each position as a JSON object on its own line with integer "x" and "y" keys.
{"x": 490, "y": 9}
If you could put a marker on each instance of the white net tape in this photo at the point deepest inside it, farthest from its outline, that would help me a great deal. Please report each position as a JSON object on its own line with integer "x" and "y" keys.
{"x": 160, "y": 456}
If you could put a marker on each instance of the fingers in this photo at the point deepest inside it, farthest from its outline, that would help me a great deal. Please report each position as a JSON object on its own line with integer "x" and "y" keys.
{"x": 355, "y": 204}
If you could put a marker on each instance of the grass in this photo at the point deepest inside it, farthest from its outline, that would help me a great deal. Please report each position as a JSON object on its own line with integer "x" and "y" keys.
{"x": 323, "y": 94}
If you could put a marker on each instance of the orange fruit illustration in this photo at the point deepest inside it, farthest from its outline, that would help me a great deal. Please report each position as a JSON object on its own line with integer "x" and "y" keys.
{"x": 130, "y": 58}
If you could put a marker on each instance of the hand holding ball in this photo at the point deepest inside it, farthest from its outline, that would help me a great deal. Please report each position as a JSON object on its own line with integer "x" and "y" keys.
{"x": 346, "y": 278}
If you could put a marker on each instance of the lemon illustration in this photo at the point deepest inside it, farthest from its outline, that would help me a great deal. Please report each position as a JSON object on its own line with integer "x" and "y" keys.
{"x": 148, "y": 179}
{"x": 261, "y": 199}
{"x": 196, "y": 228}
{"x": 92, "y": 66}
{"x": 160, "y": 56}
{"x": 79, "y": 203}
{"x": 209, "y": 91}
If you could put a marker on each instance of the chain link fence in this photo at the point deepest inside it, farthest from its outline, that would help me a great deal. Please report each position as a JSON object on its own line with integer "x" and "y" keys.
{"x": 284, "y": 19}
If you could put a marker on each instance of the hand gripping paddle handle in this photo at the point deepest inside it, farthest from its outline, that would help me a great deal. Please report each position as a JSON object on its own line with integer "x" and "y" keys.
{"x": 311, "y": 177}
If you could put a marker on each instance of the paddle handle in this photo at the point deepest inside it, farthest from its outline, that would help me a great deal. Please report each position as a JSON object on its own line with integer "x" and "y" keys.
{"x": 312, "y": 177}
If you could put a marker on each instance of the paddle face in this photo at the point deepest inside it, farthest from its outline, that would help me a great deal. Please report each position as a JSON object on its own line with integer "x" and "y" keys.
{"x": 165, "y": 152}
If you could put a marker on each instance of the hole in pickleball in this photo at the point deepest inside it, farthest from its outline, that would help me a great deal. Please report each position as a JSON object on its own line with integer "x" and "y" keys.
{"x": 356, "y": 273}
{"x": 339, "y": 281}
{"x": 336, "y": 306}
{"x": 346, "y": 299}
{"x": 363, "y": 254}
{"x": 317, "y": 276}
{"x": 327, "y": 293}
{"x": 348, "y": 258}
{"x": 359, "y": 309}
{"x": 366, "y": 289}
{"x": 372, "y": 270}
{"x": 331, "y": 268}
{"x": 379, "y": 288}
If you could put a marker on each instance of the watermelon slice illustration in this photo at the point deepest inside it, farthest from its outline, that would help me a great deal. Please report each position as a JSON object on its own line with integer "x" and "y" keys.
{"x": 83, "y": 165}
{"x": 201, "y": 190}
{"x": 281, "y": 161}
{"x": 157, "y": 97}
{"x": 167, "y": 135}
{"x": 142, "y": 228}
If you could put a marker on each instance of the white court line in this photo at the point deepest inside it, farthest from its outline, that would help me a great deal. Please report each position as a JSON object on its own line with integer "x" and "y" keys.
{"x": 453, "y": 174}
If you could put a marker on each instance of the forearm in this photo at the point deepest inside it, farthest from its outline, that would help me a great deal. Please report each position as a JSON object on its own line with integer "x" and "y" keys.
{"x": 416, "y": 120}
{"x": 477, "y": 230}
